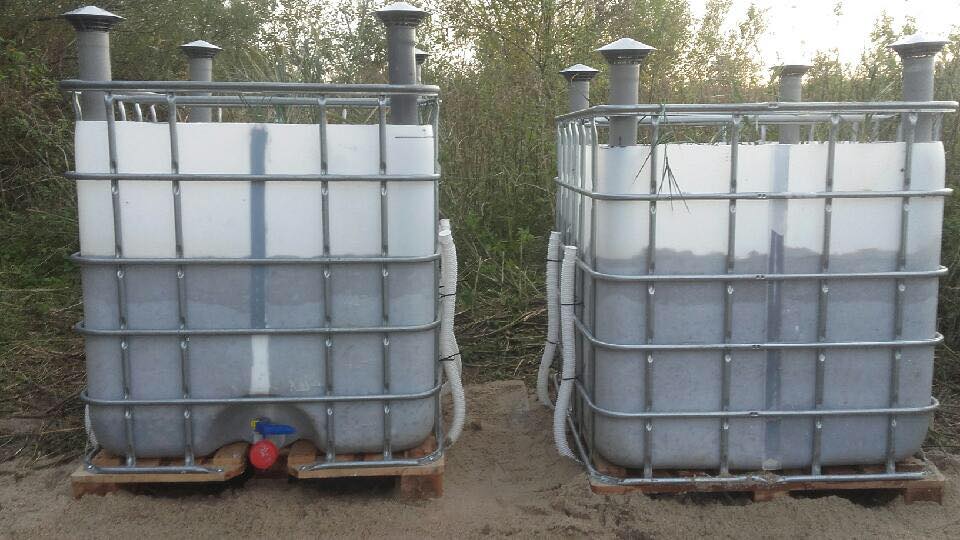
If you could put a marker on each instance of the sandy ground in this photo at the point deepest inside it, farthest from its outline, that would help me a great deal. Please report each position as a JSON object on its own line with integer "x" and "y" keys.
{"x": 503, "y": 479}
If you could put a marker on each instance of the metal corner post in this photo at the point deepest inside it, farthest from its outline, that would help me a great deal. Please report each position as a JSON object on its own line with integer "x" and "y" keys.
{"x": 93, "y": 25}
{"x": 578, "y": 85}
{"x": 918, "y": 54}
{"x": 624, "y": 57}
{"x": 791, "y": 89}
{"x": 200, "y": 67}
{"x": 401, "y": 20}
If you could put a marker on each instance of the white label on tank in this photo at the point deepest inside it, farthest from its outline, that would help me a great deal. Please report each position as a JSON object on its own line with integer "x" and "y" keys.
{"x": 260, "y": 365}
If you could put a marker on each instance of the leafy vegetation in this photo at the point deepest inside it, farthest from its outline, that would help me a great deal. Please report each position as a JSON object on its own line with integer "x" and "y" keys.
{"x": 496, "y": 62}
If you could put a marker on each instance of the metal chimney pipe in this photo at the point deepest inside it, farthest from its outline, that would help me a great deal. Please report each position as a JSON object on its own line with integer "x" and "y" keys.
{"x": 791, "y": 88}
{"x": 624, "y": 57}
{"x": 917, "y": 54}
{"x": 578, "y": 85}
{"x": 401, "y": 20}
{"x": 421, "y": 57}
{"x": 93, "y": 50}
{"x": 200, "y": 66}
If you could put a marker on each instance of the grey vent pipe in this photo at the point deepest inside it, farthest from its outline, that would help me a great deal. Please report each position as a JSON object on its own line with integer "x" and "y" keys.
{"x": 578, "y": 85}
{"x": 200, "y": 66}
{"x": 401, "y": 20}
{"x": 421, "y": 57}
{"x": 917, "y": 54}
{"x": 791, "y": 88}
{"x": 624, "y": 57}
{"x": 93, "y": 51}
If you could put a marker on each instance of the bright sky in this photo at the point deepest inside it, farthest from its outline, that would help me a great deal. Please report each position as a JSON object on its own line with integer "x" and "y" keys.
{"x": 798, "y": 28}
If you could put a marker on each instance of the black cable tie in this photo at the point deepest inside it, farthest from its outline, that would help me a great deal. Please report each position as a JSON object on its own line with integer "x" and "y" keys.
{"x": 573, "y": 304}
{"x": 568, "y": 379}
{"x": 450, "y": 358}
{"x": 447, "y": 294}
{"x": 554, "y": 260}
{"x": 552, "y": 342}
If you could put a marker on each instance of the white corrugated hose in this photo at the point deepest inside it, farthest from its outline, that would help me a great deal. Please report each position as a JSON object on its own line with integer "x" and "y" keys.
{"x": 553, "y": 319}
{"x": 568, "y": 352}
{"x": 449, "y": 349}
{"x": 88, "y": 426}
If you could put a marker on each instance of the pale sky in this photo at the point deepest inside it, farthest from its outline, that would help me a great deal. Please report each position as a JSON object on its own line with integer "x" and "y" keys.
{"x": 799, "y": 28}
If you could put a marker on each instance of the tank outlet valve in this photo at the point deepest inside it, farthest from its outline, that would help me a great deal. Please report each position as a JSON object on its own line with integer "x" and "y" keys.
{"x": 264, "y": 452}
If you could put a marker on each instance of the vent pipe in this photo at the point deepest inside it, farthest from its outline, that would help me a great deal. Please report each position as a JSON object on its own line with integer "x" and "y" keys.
{"x": 421, "y": 58}
{"x": 624, "y": 57}
{"x": 93, "y": 25}
{"x": 917, "y": 54}
{"x": 791, "y": 88}
{"x": 200, "y": 67}
{"x": 578, "y": 85}
{"x": 402, "y": 20}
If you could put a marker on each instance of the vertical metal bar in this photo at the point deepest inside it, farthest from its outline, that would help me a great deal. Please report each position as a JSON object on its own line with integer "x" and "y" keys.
{"x": 384, "y": 274}
{"x": 181, "y": 281}
{"x": 331, "y": 450}
{"x": 651, "y": 290}
{"x": 438, "y": 371}
{"x": 138, "y": 112}
{"x": 128, "y": 425}
{"x": 728, "y": 290}
{"x": 910, "y": 128}
{"x": 594, "y": 174}
{"x": 822, "y": 296}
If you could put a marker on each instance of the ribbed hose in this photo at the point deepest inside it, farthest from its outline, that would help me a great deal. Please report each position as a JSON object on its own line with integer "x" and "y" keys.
{"x": 88, "y": 426}
{"x": 449, "y": 350}
{"x": 569, "y": 371}
{"x": 553, "y": 319}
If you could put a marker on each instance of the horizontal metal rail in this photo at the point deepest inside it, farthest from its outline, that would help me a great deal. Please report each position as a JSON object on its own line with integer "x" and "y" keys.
{"x": 215, "y": 177}
{"x": 756, "y": 195}
{"x": 772, "y": 107}
{"x": 762, "y": 119}
{"x": 320, "y": 465}
{"x": 263, "y": 400}
{"x": 86, "y": 260}
{"x": 250, "y": 86}
{"x": 252, "y": 100}
{"x": 802, "y": 413}
{"x": 699, "y": 278}
{"x": 80, "y": 328}
{"x": 765, "y": 479}
{"x": 673, "y": 347}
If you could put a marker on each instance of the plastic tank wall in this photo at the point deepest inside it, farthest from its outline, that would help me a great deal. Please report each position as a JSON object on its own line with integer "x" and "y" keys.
{"x": 258, "y": 219}
{"x": 691, "y": 238}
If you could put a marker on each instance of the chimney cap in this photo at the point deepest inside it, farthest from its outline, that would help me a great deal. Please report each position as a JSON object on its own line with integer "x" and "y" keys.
{"x": 579, "y": 72}
{"x": 918, "y": 45}
{"x": 625, "y": 51}
{"x": 401, "y": 14}
{"x": 200, "y": 49}
{"x": 92, "y": 18}
{"x": 795, "y": 67}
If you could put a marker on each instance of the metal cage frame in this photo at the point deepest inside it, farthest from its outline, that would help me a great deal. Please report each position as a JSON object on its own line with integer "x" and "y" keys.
{"x": 322, "y": 97}
{"x": 578, "y": 133}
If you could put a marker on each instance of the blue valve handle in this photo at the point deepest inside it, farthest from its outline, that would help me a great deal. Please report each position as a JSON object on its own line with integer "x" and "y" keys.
{"x": 264, "y": 427}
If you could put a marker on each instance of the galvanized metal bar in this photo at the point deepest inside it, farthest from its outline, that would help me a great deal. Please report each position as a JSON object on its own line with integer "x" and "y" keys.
{"x": 651, "y": 268}
{"x": 128, "y": 420}
{"x": 910, "y": 130}
{"x": 831, "y": 107}
{"x": 756, "y": 195}
{"x": 938, "y": 338}
{"x": 251, "y": 261}
{"x": 384, "y": 276}
{"x": 728, "y": 290}
{"x": 262, "y": 400}
{"x": 190, "y": 177}
{"x": 184, "y": 344}
{"x": 755, "y": 413}
{"x": 249, "y": 100}
{"x": 258, "y": 331}
{"x": 594, "y": 178}
{"x": 326, "y": 278}
{"x": 820, "y": 357}
{"x": 438, "y": 369}
{"x": 251, "y": 86}
{"x": 706, "y": 278}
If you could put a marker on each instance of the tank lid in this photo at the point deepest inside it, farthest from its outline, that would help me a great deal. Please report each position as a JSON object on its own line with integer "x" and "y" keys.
{"x": 200, "y": 49}
{"x": 918, "y": 45}
{"x": 625, "y": 51}
{"x": 420, "y": 56}
{"x": 579, "y": 72}
{"x": 92, "y": 18}
{"x": 401, "y": 14}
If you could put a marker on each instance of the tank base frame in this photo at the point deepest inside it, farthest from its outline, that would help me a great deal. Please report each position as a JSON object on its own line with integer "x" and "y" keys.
{"x": 421, "y": 480}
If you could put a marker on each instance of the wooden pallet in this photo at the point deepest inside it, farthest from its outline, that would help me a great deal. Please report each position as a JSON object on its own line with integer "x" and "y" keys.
{"x": 231, "y": 459}
{"x": 421, "y": 481}
{"x": 930, "y": 488}
{"x": 417, "y": 481}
